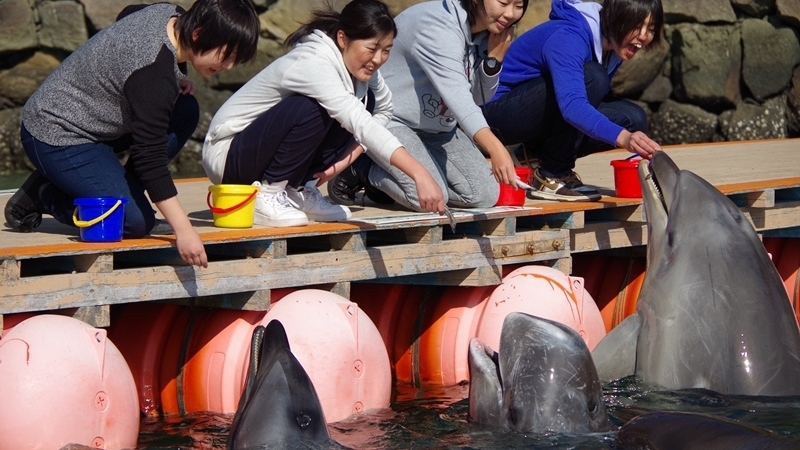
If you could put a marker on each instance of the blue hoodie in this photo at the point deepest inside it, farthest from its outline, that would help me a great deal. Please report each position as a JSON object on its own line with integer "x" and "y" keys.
{"x": 559, "y": 48}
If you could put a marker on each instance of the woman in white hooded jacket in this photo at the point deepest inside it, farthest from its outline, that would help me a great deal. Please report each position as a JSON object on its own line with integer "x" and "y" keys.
{"x": 309, "y": 114}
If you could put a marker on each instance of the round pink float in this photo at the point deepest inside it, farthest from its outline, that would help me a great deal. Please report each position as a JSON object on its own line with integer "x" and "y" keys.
{"x": 64, "y": 382}
{"x": 339, "y": 347}
{"x": 544, "y": 292}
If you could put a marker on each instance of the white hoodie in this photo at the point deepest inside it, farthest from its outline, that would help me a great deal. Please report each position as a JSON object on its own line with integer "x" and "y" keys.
{"x": 313, "y": 68}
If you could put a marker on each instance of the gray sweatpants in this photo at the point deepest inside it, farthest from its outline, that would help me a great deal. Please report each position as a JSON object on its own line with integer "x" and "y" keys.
{"x": 457, "y": 165}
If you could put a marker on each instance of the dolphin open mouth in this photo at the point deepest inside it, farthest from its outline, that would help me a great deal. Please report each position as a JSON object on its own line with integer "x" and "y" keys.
{"x": 652, "y": 192}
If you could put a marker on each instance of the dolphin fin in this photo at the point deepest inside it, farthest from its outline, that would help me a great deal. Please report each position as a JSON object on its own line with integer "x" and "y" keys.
{"x": 485, "y": 387}
{"x": 615, "y": 355}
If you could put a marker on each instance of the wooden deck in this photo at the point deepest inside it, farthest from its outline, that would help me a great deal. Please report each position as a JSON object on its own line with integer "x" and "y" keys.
{"x": 51, "y": 269}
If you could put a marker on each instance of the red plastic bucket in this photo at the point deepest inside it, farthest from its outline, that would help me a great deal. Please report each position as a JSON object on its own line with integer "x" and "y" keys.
{"x": 514, "y": 197}
{"x": 626, "y": 178}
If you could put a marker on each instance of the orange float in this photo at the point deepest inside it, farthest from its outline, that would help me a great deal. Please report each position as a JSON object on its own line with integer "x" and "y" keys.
{"x": 614, "y": 282}
{"x": 64, "y": 382}
{"x": 339, "y": 347}
{"x": 785, "y": 254}
{"x": 140, "y": 331}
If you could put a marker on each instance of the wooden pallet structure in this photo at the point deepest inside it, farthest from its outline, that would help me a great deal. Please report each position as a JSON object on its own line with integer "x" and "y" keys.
{"x": 51, "y": 270}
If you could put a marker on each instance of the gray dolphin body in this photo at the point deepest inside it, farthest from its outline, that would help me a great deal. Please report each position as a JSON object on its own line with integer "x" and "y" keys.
{"x": 694, "y": 431}
{"x": 279, "y": 407}
{"x": 712, "y": 312}
{"x": 542, "y": 380}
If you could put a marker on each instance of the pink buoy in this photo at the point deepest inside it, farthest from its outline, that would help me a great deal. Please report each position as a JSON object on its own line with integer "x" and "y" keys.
{"x": 64, "y": 382}
{"x": 544, "y": 292}
{"x": 339, "y": 347}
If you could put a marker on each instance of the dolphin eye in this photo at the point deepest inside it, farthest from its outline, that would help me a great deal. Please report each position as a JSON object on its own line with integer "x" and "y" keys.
{"x": 670, "y": 238}
{"x": 303, "y": 419}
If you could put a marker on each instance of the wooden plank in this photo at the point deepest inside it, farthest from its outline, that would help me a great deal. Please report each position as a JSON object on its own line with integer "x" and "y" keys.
{"x": 156, "y": 283}
{"x": 97, "y": 316}
{"x": 760, "y": 199}
{"x": 608, "y": 235}
{"x": 479, "y": 276}
{"x": 9, "y": 271}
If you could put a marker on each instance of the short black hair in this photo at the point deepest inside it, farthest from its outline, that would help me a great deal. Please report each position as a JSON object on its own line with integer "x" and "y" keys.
{"x": 472, "y": 8}
{"x": 360, "y": 19}
{"x": 619, "y": 17}
{"x": 231, "y": 25}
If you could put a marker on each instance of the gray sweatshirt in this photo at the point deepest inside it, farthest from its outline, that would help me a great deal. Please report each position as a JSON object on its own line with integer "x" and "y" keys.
{"x": 434, "y": 70}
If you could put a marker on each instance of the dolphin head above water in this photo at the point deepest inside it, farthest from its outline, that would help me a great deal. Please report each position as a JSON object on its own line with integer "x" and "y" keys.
{"x": 542, "y": 380}
{"x": 279, "y": 407}
{"x": 712, "y": 311}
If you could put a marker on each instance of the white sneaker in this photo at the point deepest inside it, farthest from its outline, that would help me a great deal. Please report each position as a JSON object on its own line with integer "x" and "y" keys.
{"x": 275, "y": 209}
{"x": 310, "y": 200}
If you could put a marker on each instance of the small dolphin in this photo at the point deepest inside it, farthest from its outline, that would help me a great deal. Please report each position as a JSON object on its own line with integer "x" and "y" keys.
{"x": 712, "y": 312}
{"x": 542, "y": 380}
{"x": 695, "y": 431}
{"x": 279, "y": 407}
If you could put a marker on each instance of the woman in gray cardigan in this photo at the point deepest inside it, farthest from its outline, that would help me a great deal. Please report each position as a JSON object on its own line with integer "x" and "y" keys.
{"x": 445, "y": 63}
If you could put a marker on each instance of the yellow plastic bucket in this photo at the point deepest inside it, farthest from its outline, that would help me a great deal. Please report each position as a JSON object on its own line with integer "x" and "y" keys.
{"x": 232, "y": 205}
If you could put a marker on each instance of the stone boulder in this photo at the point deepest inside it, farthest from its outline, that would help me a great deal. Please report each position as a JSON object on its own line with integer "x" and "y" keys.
{"x": 769, "y": 57}
{"x": 12, "y": 156}
{"x": 706, "y": 65}
{"x": 753, "y": 121}
{"x": 789, "y": 11}
{"x": 754, "y": 8}
{"x": 102, "y": 13}
{"x": 678, "y": 123}
{"x": 63, "y": 25}
{"x": 793, "y": 104}
{"x": 17, "y": 26}
{"x": 702, "y": 11}
{"x": 20, "y": 81}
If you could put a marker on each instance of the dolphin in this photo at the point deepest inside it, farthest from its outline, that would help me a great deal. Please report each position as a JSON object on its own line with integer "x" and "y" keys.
{"x": 279, "y": 407}
{"x": 712, "y": 311}
{"x": 542, "y": 380}
{"x": 696, "y": 431}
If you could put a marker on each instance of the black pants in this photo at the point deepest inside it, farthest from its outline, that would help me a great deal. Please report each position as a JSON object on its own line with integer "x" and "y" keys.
{"x": 291, "y": 141}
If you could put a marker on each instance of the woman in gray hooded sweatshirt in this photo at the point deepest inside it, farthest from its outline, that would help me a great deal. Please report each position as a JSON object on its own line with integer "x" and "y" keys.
{"x": 445, "y": 63}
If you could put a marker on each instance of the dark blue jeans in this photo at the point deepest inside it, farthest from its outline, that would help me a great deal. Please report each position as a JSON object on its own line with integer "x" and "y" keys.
{"x": 529, "y": 115}
{"x": 94, "y": 170}
{"x": 291, "y": 141}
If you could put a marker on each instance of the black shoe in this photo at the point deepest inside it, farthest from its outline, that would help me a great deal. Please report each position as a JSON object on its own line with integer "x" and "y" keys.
{"x": 24, "y": 210}
{"x": 342, "y": 189}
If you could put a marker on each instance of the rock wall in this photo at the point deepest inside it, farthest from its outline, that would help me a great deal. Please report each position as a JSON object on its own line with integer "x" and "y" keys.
{"x": 728, "y": 71}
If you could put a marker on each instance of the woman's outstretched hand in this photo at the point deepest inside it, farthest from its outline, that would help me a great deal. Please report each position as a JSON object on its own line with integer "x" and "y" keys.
{"x": 639, "y": 143}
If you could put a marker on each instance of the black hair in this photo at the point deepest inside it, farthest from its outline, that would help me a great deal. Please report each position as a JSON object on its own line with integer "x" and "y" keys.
{"x": 474, "y": 6}
{"x": 360, "y": 19}
{"x": 619, "y": 17}
{"x": 231, "y": 25}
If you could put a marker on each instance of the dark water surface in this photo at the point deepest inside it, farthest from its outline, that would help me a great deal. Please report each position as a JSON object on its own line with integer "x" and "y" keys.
{"x": 436, "y": 418}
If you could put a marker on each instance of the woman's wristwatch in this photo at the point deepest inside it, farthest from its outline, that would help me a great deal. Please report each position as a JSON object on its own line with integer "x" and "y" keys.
{"x": 491, "y": 66}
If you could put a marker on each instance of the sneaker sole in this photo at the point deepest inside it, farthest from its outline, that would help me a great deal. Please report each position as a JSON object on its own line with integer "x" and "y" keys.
{"x": 298, "y": 222}
{"x": 328, "y": 218}
{"x": 566, "y": 198}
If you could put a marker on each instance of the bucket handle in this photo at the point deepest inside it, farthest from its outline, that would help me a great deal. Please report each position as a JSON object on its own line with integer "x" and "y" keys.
{"x": 88, "y": 223}
{"x": 217, "y": 210}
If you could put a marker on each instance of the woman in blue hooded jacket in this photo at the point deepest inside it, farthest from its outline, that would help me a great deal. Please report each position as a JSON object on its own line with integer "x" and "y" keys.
{"x": 554, "y": 92}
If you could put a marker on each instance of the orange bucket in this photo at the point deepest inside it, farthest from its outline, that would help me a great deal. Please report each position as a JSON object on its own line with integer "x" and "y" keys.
{"x": 514, "y": 197}
{"x": 626, "y": 178}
